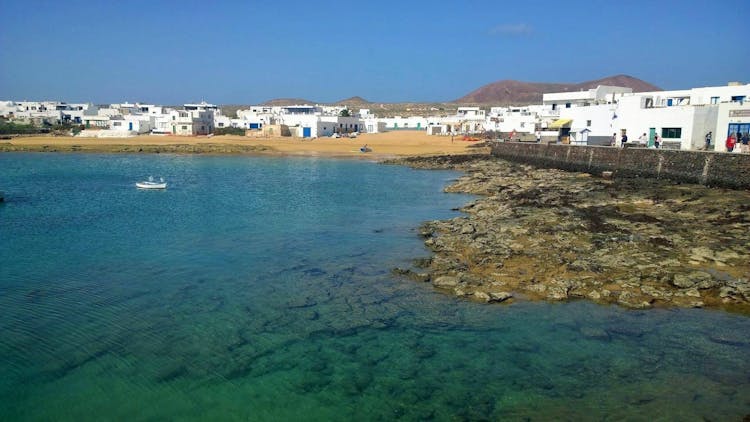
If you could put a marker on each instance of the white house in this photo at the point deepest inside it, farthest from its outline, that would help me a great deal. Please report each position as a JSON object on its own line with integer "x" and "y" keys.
{"x": 405, "y": 123}
{"x": 512, "y": 119}
{"x": 680, "y": 118}
{"x": 602, "y": 94}
{"x": 373, "y": 125}
{"x": 130, "y": 124}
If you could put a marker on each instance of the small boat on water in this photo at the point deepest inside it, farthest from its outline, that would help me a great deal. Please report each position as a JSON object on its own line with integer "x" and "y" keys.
{"x": 150, "y": 184}
{"x": 2, "y": 196}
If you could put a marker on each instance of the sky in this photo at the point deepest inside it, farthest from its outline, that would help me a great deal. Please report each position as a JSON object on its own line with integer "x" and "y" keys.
{"x": 247, "y": 52}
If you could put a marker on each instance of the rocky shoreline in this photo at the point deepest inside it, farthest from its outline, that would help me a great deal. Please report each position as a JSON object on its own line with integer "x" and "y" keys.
{"x": 553, "y": 235}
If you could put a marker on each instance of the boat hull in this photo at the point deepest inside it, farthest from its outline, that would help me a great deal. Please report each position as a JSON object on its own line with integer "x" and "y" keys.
{"x": 150, "y": 185}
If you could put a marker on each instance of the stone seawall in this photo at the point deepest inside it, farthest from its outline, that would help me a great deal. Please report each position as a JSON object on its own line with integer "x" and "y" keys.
{"x": 708, "y": 168}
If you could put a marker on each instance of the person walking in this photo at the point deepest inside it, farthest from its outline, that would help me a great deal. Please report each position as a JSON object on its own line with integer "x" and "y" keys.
{"x": 624, "y": 139}
{"x": 613, "y": 141}
{"x": 708, "y": 141}
{"x": 656, "y": 141}
{"x": 745, "y": 145}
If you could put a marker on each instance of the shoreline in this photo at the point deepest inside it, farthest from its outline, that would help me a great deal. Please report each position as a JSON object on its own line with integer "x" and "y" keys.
{"x": 546, "y": 234}
{"x": 381, "y": 145}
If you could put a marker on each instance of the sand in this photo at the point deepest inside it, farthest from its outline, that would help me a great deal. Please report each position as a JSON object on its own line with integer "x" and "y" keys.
{"x": 383, "y": 145}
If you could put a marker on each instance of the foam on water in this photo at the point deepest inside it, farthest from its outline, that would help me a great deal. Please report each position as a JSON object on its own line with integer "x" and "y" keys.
{"x": 259, "y": 288}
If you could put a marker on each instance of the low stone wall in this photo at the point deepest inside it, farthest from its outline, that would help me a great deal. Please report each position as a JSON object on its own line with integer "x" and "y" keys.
{"x": 710, "y": 168}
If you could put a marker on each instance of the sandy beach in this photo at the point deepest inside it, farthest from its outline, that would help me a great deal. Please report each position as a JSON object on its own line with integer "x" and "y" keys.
{"x": 382, "y": 145}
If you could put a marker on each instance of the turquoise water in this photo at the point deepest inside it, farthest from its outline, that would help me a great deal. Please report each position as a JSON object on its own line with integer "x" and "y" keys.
{"x": 259, "y": 289}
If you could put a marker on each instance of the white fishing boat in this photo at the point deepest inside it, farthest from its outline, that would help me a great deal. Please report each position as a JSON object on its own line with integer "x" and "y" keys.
{"x": 151, "y": 184}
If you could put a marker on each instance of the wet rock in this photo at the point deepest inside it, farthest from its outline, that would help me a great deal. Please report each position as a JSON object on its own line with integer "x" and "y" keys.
{"x": 445, "y": 282}
{"x": 557, "y": 293}
{"x": 467, "y": 229}
{"x": 422, "y": 262}
{"x": 499, "y": 296}
{"x": 699, "y": 279}
{"x": 692, "y": 293}
{"x": 631, "y": 300}
{"x": 460, "y": 292}
{"x": 483, "y": 296}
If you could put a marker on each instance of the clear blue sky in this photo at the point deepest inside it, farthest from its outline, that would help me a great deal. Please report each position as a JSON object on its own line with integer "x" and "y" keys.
{"x": 247, "y": 52}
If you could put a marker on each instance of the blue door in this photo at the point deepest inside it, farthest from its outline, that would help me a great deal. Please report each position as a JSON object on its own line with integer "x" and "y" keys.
{"x": 669, "y": 102}
{"x": 306, "y": 132}
{"x": 254, "y": 126}
{"x": 130, "y": 125}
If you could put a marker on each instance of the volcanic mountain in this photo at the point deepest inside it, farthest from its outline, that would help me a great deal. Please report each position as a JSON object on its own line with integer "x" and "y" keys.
{"x": 518, "y": 92}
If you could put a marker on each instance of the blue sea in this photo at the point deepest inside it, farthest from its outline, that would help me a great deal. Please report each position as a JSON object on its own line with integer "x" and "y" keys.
{"x": 260, "y": 289}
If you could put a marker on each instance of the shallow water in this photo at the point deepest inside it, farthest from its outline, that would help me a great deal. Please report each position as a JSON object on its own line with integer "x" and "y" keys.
{"x": 259, "y": 288}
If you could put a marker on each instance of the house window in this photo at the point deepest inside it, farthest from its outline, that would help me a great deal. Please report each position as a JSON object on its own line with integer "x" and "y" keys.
{"x": 738, "y": 98}
{"x": 184, "y": 128}
{"x": 714, "y": 100}
{"x": 588, "y": 123}
{"x": 671, "y": 133}
{"x": 567, "y": 105}
{"x": 117, "y": 124}
{"x": 523, "y": 124}
{"x": 554, "y": 106}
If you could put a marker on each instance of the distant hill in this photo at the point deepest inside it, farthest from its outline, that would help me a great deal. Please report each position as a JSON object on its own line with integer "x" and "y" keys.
{"x": 354, "y": 102}
{"x": 518, "y": 92}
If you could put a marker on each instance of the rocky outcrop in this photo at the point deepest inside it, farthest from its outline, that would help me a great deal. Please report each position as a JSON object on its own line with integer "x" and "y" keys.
{"x": 555, "y": 235}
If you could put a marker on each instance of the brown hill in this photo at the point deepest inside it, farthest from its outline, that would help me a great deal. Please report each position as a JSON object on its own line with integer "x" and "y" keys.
{"x": 353, "y": 100}
{"x": 518, "y": 92}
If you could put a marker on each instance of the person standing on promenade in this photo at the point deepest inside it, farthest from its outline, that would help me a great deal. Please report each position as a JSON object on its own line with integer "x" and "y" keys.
{"x": 538, "y": 137}
{"x": 613, "y": 141}
{"x": 745, "y": 145}
{"x": 731, "y": 142}
{"x": 708, "y": 141}
{"x": 656, "y": 141}
{"x": 624, "y": 139}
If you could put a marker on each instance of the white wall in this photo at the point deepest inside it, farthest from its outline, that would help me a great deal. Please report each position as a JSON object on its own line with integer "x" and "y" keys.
{"x": 412, "y": 122}
{"x": 602, "y": 123}
{"x": 637, "y": 120}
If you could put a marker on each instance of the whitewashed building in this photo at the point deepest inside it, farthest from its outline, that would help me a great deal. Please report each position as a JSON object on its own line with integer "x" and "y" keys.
{"x": 602, "y": 94}
{"x": 679, "y": 118}
{"x": 405, "y": 123}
